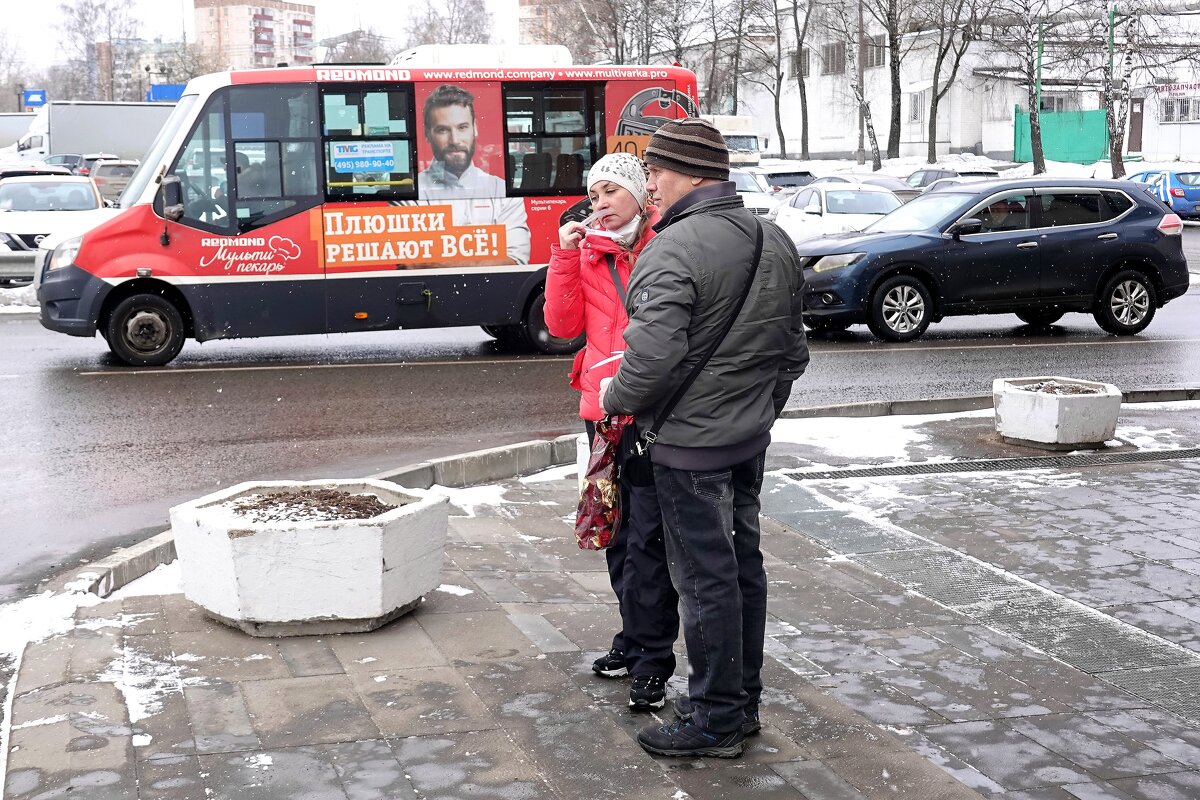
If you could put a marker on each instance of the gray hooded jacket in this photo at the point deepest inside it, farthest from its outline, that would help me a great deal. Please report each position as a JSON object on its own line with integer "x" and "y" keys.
{"x": 681, "y": 292}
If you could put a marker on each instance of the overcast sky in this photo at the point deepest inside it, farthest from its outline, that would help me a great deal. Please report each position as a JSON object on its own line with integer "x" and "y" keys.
{"x": 166, "y": 18}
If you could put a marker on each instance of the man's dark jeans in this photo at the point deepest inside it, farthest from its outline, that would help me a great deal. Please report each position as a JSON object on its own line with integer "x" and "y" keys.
{"x": 637, "y": 570}
{"x": 712, "y": 527}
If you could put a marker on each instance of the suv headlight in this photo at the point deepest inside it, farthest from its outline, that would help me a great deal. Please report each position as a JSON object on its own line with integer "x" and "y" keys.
{"x": 64, "y": 254}
{"x": 827, "y": 263}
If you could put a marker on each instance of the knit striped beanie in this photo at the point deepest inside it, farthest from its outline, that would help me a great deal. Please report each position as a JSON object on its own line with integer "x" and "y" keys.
{"x": 689, "y": 146}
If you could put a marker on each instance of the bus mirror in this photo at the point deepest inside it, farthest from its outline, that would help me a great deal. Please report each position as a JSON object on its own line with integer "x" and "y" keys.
{"x": 172, "y": 195}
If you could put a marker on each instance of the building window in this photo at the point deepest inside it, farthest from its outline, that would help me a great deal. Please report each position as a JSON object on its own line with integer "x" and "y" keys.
{"x": 1180, "y": 109}
{"x": 876, "y": 51}
{"x": 800, "y": 63}
{"x": 1060, "y": 102}
{"x": 917, "y": 102}
{"x": 833, "y": 58}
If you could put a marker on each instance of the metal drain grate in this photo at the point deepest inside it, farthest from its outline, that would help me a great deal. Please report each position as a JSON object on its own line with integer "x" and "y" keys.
{"x": 998, "y": 464}
{"x": 1172, "y": 688}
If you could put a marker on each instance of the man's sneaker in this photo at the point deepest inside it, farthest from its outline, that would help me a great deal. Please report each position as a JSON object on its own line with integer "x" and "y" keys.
{"x": 648, "y": 693}
{"x": 682, "y": 706}
{"x": 682, "y": 738}
{"x": 611, "y": 665}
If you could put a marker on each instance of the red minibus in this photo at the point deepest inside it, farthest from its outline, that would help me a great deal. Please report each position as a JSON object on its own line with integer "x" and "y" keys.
{"x": 331, "y": 199}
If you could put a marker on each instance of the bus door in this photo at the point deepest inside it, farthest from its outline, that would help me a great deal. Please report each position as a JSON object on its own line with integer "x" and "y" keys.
{"x": 370, "y": 228}
{"x": 248, "y": 238}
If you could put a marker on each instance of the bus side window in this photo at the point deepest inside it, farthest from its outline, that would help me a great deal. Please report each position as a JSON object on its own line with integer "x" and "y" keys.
{"x": 275, "y": 152}
{"x": 368, "y": 147}
{"x": 552, "y": 138}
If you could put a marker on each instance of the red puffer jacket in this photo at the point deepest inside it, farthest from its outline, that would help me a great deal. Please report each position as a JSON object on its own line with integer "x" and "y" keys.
{"x": 580, "y": 296}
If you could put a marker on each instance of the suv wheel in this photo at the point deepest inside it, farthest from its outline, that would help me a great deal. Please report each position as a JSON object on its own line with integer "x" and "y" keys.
{"x": 901, "y": 308}
{"x": 1126, "y": 304}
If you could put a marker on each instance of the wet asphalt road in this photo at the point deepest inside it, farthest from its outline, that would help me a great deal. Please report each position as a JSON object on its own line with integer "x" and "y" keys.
{"x": 95, "y": 454}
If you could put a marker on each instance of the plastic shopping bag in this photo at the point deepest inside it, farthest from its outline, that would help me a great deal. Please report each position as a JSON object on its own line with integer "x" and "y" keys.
{"x": 599, "y": 517}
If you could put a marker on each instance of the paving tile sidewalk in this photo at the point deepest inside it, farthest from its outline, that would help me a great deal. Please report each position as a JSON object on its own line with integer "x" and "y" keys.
{"x": 998, "y": 634}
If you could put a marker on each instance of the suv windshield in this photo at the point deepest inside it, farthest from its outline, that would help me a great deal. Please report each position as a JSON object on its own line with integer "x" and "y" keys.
{"x": 921, "y": 213}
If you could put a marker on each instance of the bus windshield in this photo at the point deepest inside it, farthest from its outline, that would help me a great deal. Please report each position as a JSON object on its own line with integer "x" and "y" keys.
{"x": 150, "y": 165}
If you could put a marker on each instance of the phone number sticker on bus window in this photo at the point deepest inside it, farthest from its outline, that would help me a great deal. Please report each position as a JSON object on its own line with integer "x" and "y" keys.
{"x": 360, "y": 156}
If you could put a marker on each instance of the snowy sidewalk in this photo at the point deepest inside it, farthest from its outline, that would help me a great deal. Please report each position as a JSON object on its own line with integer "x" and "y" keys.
{"x": 1017, "y": 633}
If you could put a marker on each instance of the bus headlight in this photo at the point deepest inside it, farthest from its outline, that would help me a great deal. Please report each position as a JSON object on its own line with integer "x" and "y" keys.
{"x": 64, "y": 254}
{"x": 827, "y": 263}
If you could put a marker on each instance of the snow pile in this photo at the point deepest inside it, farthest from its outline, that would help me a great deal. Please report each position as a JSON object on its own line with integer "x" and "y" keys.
{"x": 18, "y": 300}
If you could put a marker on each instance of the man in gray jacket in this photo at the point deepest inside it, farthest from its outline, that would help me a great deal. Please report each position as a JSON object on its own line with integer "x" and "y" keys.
{"x": 709, "y": 454}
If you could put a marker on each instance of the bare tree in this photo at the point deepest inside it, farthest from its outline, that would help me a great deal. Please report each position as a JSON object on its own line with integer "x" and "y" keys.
{"x": 841, "y": 21}
{"x": 100, "y": 41}
{"x": 1141, "y": 37}
{"x": 765, "y": 62}
{"x": 359, "y": 47}
{"x": 949, "y": 25}
{"x": 450, "y": 22}
{"x": 1027, "y": 36}
{"x": 11, "y": 73}
{"x": 895, "y": 17}
{"x": 800, "y": 31}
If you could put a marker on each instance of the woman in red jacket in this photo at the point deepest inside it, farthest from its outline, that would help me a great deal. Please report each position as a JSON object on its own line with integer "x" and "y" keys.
{"x": 585, "y": 292}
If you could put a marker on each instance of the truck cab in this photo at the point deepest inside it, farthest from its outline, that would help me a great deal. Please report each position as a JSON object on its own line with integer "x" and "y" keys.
{"x": 741, "y": 137}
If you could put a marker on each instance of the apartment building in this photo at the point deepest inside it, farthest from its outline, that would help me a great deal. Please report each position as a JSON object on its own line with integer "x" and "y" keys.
{"x": 258, "y": 34}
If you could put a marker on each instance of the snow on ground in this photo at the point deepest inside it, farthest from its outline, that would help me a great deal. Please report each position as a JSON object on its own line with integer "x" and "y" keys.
{"x": 17, "y": 301}
{"x": 891, "y": 437}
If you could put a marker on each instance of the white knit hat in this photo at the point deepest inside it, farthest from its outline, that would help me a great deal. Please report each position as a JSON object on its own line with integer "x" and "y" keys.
{"x": 624, "y": 170}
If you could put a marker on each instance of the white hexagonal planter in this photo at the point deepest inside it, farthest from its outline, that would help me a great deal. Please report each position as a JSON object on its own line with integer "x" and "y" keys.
{"x": 1055, "y": 421}
{"x": 293, "y": 578}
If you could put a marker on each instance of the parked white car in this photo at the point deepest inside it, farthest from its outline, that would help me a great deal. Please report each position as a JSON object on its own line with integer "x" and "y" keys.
{"x": 827, "y": 208}
{"x": 35, "y": 206}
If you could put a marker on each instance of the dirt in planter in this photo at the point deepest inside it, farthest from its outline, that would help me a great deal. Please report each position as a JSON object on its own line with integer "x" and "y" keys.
{"x": 305, "y": 505}
{"x": 1054, "y": 387}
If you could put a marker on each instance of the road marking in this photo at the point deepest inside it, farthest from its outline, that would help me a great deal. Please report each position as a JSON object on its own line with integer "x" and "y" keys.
{"x": 279, "y": 367}
{"x": 1004, "y": 346}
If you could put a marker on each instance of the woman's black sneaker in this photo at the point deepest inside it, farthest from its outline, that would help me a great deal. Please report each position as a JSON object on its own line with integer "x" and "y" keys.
{"x": 611, "y": 665}
{"x": 648, "y": 693}
{"x": 682, "y": 706}
{"x": 682, "y": 738}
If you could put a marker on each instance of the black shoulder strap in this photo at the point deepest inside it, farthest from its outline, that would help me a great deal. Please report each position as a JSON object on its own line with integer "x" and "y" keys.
{"x": 651, "y": 435}
{"x": 612, "y": 269}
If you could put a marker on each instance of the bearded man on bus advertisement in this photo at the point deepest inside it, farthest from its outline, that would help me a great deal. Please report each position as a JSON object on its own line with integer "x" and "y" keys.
{"x": 453, "y": 178}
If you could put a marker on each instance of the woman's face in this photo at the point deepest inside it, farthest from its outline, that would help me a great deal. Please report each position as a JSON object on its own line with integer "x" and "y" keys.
{"x": 616, "y": 206}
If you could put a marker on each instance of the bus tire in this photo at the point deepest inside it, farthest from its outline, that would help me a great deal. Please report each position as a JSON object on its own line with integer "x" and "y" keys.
{"x": 537, "y": 335}
{"x": 145, "y": 330}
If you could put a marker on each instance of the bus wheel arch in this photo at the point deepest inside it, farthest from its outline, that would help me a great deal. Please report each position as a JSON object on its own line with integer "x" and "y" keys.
{"x": 145, "y": 323}
{"x": 535, "y": 333}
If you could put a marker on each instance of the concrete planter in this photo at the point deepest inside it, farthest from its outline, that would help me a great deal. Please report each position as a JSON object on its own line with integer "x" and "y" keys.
{"x": 292, "y": 578}
{"x": 1055, "y": 421}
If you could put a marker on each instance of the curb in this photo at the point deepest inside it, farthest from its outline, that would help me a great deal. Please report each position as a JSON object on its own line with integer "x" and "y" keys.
{"x": 525, "y": 458}
{"x": 950, "y": 405}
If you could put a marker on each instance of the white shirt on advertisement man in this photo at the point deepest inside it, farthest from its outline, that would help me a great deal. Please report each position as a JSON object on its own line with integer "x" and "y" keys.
{"x": 477, "y": 198}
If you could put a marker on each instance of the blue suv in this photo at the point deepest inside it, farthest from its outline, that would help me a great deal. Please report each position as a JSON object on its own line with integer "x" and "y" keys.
{"x": 1037, "y": 248}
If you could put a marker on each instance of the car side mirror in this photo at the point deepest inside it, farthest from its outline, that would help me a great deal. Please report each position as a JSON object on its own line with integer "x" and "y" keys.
{"x": 172, "y": 192}
{"x": 966, "y": 227}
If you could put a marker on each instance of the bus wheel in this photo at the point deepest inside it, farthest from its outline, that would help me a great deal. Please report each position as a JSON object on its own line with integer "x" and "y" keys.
{"x": 538, "y": 337}
{"x": 144, "y": 330}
